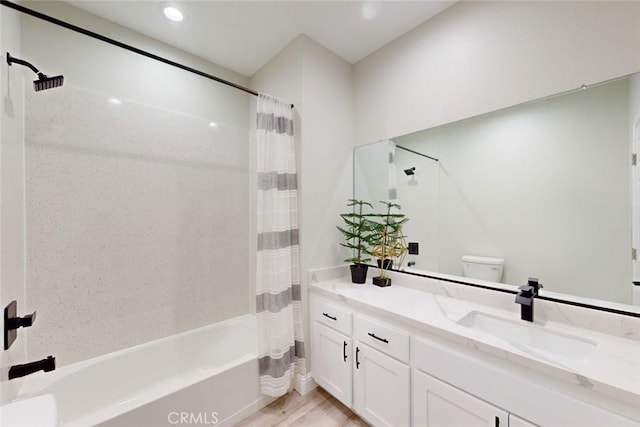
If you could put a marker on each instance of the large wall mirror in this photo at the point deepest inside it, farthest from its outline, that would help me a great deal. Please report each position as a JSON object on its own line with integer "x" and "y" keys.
{"x": 547, "y": 185}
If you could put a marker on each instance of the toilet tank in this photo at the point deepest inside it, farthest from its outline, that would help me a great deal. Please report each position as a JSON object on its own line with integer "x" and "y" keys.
{"x": 483, "y": 268}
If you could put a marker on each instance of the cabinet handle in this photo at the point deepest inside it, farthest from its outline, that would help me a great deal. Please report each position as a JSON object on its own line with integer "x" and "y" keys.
{"x": 330, "y": 317}
{"x": 372, "y": 335}
{"x": 344, "y": 351}
{"x": 497, "y": 422}
{"x": 357, "y": 360}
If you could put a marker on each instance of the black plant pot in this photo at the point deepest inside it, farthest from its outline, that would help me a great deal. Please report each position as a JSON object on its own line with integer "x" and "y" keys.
{"x": 382, "y": 281}
{"x": 386, "y": 265}
{"x": 359, "y": 273}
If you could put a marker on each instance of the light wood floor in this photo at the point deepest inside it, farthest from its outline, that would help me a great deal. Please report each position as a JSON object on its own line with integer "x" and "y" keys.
{"x": 316, "y": 409}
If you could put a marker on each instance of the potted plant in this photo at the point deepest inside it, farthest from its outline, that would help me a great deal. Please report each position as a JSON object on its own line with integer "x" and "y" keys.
{"x": 389, "y": 244}
{"x": 357, "y": 232}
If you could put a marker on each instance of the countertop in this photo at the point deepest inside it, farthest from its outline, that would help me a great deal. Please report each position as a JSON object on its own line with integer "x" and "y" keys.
{"x": 611, "y": 367}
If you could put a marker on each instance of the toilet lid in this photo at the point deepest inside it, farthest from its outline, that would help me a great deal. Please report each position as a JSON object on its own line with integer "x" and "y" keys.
{"x": 483, "y": 260}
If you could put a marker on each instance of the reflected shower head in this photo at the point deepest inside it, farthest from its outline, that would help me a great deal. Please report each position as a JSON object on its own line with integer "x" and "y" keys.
{"x": 43, "y": 81}
{"x": 410, "y": 171}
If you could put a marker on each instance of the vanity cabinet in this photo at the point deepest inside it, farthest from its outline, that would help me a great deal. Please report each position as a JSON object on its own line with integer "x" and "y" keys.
{"x": 332, "y": 362}
{"x": 438, "y": 404}
{"x": 331, "y": 352}
{"x": 372, "y": 376}
{"x": 381, "y": 374}
{"x": 395, "y": 373}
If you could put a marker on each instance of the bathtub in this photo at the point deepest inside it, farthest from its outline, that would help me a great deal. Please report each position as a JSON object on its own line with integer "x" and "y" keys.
{"x": 206, "y": 376}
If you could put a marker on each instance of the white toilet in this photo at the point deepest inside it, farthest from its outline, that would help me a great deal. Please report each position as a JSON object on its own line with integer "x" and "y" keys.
{"x": 483, "y": 268}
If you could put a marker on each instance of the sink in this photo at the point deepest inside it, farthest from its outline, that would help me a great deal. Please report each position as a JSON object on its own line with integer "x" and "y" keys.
{"x": 39, "y": 411}
{"x": 547, "y": 343}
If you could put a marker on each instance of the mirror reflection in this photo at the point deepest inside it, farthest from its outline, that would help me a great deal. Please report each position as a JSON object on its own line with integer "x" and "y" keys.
{"x": 544, "y": 189}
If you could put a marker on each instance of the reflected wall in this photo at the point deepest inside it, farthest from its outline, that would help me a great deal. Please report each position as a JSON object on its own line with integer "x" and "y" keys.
{"x": 545, "y": 185}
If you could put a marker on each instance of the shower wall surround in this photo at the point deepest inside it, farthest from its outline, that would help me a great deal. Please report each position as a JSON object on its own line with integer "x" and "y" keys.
{"x": 137, "y": 206}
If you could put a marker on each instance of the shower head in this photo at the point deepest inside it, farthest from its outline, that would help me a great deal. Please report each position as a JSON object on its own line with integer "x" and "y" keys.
{"x": 410, "y": 171}
{"x": 43, "y": 81}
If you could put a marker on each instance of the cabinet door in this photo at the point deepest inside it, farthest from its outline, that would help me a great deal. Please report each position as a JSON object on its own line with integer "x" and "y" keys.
{"x": 381, "y": 388}
{"x": 331, "y": 362}
{"x": 437, "y": 404}
{"x": 519, "y": 422}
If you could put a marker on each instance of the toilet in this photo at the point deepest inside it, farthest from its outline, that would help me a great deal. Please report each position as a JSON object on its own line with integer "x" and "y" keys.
{"x": 483, "y": 268}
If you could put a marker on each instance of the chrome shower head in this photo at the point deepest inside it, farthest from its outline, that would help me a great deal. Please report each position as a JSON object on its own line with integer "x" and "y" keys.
{"x": 43, "y": 81}
{"x": 410, "y": 171}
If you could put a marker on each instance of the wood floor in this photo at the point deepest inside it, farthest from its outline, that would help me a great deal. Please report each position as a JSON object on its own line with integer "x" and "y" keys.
{"x": 316, "y": 409}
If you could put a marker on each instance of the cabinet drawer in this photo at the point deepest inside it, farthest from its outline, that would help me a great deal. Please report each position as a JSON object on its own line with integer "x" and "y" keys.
{"x": 385, "y": 338}
{"x": 333, "y": 316}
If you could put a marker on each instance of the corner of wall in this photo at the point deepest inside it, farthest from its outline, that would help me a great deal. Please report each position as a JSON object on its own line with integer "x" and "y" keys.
{"x": 12, "y": 253}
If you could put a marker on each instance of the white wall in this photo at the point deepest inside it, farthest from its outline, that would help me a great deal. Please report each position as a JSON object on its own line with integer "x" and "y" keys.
{"x": 327, "y": 150}
{"x": 370, "y": 177}
{"x": 544, "y": 185}
{"x": 319, "y": 83}
{"x": 12, "y": 259}
{"x": 477, "y": 57}
{"x": 137, "y": 214}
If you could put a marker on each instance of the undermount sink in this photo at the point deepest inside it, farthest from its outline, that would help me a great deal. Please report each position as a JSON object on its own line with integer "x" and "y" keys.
{"x": 544, "y": 342}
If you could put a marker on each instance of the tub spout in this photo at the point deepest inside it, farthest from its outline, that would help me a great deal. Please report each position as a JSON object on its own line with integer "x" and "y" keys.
{"x": 46, "y": 365}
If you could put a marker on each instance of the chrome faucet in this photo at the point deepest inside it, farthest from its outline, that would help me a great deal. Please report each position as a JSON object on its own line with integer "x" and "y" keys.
{"x": 525, "y": 297}
{"x": 46, "y": 365}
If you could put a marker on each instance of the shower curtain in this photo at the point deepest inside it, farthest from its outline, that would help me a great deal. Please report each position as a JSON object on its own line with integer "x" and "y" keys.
{"x": 391, "y": 171}
{"x": 280, "y": 332}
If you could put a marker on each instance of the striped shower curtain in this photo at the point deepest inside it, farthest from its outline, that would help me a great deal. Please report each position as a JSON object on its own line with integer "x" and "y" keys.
{"x": 280, "y": 332}
{"x": 392, "y": 183}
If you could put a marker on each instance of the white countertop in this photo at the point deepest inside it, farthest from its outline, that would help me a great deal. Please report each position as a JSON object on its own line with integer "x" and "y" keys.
{"x": 612, "y": 367}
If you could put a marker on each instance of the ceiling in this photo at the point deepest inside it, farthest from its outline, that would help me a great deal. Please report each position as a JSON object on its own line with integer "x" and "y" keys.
{"x": 245, "y": 35}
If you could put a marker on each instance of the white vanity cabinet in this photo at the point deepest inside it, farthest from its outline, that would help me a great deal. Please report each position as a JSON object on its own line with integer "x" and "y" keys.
{"x": 331, "y": 349}
{"x": 438, "y": 404}
{"x": 372, "y": 376}
{"x": 393, "y": 371}
{"x": 381, "y": 374}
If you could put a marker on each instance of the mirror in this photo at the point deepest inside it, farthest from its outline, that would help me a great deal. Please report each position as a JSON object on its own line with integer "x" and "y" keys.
{"x": 548, "y": 186}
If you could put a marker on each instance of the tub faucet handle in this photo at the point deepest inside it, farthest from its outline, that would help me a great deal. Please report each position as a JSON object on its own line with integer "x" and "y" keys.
{"x": 12, "y": 322}
{"x": 22, "y": 322}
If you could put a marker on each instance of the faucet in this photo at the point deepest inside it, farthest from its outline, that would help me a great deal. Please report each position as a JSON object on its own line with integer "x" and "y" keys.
{"x": 46, "y": 365}
{"x": 525, "y": 297}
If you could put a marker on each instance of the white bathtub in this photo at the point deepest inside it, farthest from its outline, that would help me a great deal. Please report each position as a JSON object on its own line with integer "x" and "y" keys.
{"x": 206, "y": 376}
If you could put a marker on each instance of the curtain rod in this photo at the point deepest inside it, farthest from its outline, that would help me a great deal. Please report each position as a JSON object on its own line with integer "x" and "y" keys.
{"x": 125, "y": 46}
{"x": 415, "y": 152}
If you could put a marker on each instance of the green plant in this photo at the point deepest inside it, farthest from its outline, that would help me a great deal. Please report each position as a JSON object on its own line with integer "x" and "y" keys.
{"x": 388, "y": 241}
{"x": 357, "y": 232}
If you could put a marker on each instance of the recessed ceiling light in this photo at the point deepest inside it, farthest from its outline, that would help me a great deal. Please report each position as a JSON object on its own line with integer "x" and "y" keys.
{"x": 115, "y": 101}
{"x": 213, "y": 125}
{"x": 370, "y": 9}
{"x": 173, "y": 13}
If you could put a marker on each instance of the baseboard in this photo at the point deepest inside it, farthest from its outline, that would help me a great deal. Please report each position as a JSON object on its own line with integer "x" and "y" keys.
{"x": 248, "y": 410}
{"x": 304, "y": 384}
